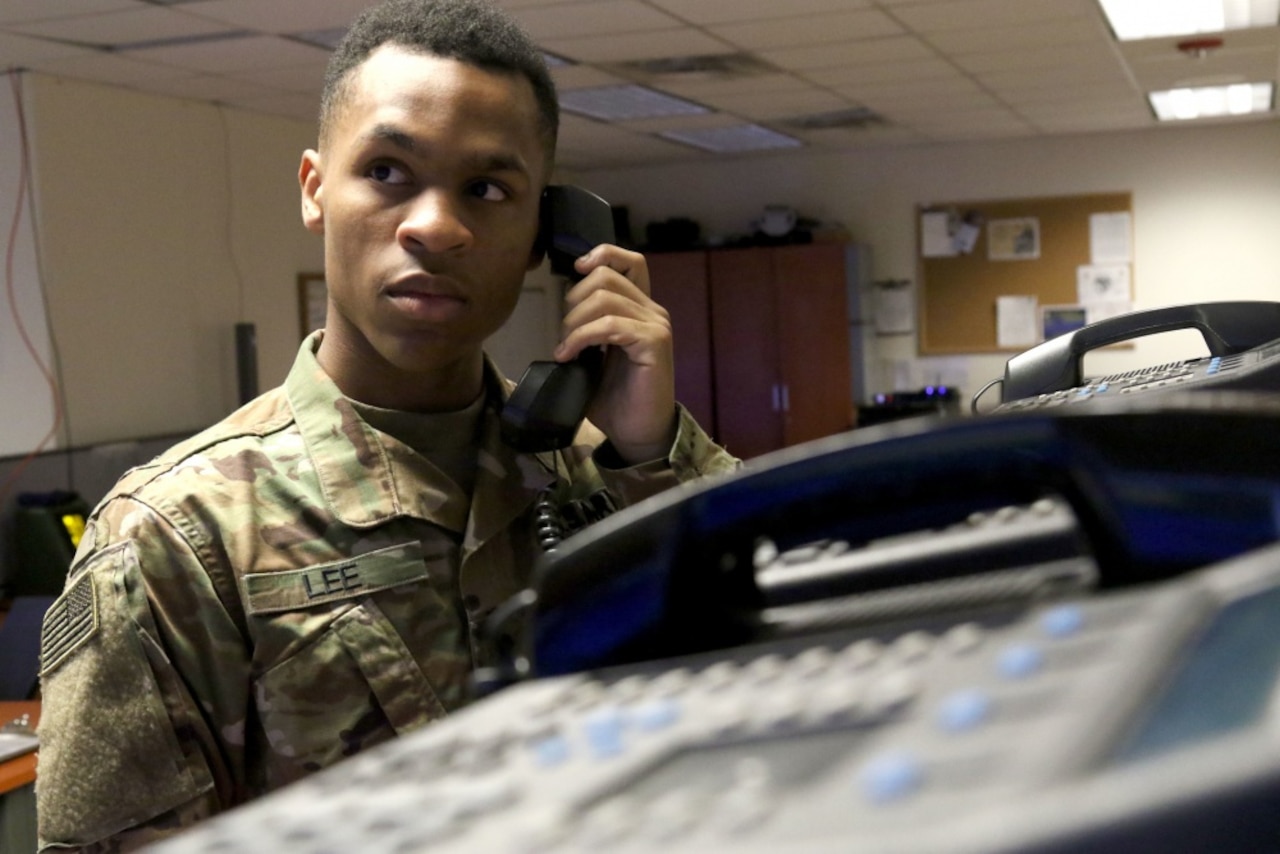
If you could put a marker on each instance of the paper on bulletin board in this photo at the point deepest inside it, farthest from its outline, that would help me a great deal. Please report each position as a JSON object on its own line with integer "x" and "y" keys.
{"x": 1104, "y": 290}
{"x": 1013, "y": 239}
{"x": 1017, "y": 321}
{"x": 1110, "y": 238}
{"x": 935, "y": 235}
{"x": 894, "y": 308}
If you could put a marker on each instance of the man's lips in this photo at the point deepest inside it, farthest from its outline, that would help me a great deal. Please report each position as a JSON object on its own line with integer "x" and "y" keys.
{"x": 427, "y": 297}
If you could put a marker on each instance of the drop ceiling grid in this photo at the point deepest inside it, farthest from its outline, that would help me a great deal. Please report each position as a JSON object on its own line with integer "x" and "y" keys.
{"x": 934, "y": 69}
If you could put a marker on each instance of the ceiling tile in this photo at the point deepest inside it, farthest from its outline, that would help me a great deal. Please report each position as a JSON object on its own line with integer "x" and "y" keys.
{"x": 884, "y": 72}
{"x": 1023, "y": 79}
{"x": 600, "y": 18}
{"x": 308, "y": 78}
{"x": 23, "y": 51}
{"x": 809, "y": 30}
{"x": 725, "y": 11}
{"x": 234, "y": 55}
{"x": 699, "y": 89}
{"x": 981, "y": 14}
{"x": 780, "y": 105}
{"x": 706, "y": 120}
{"x": 1067, "y": 56}
{"x": 893, "y": 49}
{"x": 583, "y": 76}
{"x": 278, "y": 18}
{"x": 14, "y": 11}
{"x": 147, "y": 24}
{"x": 1068, "y": 31}
{"x": 646, "y": 45}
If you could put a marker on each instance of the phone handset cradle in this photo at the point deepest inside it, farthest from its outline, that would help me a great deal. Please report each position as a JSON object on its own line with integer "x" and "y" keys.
{"x": 551, "y": 399}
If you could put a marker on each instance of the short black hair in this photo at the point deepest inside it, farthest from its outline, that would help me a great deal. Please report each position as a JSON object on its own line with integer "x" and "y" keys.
{"x": 471, "y": 31}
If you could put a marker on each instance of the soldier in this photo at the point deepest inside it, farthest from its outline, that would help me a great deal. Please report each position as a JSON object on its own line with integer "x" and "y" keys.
{"x": 303, "y": 580}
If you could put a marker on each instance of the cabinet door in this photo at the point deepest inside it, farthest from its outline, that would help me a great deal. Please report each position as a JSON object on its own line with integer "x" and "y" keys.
{"x": 678, "y": 282}
{"x": 813, "y": 340}
{"x": 744, "y": 335}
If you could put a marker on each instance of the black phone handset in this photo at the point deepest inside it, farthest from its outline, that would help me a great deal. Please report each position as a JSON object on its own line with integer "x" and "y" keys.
{"x": 551, "y": 398}
{"x": 1056, "y": 365}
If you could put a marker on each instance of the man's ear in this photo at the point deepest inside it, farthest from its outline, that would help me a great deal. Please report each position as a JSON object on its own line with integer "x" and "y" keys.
{"x": 309, "y": 179}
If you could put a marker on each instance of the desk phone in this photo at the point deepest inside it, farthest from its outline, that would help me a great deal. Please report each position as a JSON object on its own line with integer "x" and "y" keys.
{"x": 1036, "y": 631}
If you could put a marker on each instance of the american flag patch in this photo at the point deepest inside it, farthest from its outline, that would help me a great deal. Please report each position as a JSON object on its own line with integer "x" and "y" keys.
{"x": 69, "y": 622}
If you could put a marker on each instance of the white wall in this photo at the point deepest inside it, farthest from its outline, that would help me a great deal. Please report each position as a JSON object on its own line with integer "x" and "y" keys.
{"x": 27, "y": 398}
{"x": 1206, "y": 205}
{"x": 163, "y": 223}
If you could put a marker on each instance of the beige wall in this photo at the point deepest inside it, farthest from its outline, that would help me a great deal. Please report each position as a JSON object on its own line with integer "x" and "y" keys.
{"x": 1206, "y": 207}
{"x": 153, "y": 247}
{"x": 163, "y": 223}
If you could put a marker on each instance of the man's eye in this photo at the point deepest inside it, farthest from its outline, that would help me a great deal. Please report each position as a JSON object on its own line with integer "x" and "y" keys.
{"x": 386, "y": 173}
{"x": 489, "y": 191}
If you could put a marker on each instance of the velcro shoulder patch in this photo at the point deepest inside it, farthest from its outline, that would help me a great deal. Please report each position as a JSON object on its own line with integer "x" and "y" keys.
{"x": 359, "y": 575}
{"x": 70, "y": 622}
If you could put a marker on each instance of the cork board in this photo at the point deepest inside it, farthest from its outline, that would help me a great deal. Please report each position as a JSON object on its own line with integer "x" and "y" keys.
{"x": 1035, "y": 250}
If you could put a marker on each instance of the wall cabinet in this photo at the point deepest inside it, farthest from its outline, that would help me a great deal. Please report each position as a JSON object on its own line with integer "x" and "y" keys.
{"x": 761, "y": 333}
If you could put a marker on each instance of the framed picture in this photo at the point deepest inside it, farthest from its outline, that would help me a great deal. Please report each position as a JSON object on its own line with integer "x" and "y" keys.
{"x": 313, "y": 297}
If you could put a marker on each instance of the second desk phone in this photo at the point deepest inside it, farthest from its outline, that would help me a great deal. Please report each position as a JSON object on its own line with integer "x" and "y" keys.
{"x": 1243, "y": 339}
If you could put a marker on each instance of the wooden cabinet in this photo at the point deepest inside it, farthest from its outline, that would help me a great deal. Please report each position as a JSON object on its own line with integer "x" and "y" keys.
{"x": 776, "y": 362}
{"x": 678, "y": 281}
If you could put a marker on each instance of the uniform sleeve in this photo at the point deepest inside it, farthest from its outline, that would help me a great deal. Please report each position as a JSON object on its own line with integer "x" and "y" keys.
{"x": 693, "y": 455}
{"x": 131, "y": 745}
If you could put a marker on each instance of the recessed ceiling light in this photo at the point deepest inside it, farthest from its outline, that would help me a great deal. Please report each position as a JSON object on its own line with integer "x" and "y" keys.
{"x": 732, "y": 139}
{"x": 1210, "y": 101}
{"x": 626, "y": 103}
{"x": 1148, "y": 19}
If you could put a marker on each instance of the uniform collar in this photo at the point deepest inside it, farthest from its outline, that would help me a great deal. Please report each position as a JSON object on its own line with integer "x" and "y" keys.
{"x": 368, "y": 478}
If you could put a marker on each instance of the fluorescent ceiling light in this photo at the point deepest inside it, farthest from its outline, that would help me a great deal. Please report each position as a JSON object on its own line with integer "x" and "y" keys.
{"x": 1208, "y": 101}
{"x": 626, "y": 103}
{"x": 736, "y": 138}
{"x": 1148, "y": 19}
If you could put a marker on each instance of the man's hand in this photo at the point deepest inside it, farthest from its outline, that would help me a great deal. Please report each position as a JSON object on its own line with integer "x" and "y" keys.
{"x": 635, "y": 406}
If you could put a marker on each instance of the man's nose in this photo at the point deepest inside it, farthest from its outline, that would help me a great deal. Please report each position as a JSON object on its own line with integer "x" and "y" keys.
{"x": 434, "y": 223}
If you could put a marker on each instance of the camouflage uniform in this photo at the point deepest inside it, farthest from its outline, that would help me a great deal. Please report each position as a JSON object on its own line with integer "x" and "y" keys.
{"x": 282, "y": 590}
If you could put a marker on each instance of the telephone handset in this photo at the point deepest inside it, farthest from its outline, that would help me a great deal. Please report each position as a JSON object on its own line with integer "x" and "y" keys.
{"x": 551, "y": 398}
{"x": 912, "y": 518}
{"x": 1228, "y": 328}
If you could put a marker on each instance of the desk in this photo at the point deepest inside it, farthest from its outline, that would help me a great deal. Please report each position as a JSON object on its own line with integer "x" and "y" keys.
{"x": 17, "y": 790}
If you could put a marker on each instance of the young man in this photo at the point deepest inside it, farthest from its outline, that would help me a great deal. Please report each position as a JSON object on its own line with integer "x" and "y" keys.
{"x": 304, "y": 580}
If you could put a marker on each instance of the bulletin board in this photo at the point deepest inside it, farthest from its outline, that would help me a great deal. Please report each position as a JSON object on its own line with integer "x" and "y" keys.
{"x": 1024, "y": 247}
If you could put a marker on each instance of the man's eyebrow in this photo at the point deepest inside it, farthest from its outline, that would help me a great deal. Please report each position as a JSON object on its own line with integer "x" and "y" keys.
{"x": 393, "y": 135}
{"x": 499, "y": 162}
{"x": 481, "y": 161}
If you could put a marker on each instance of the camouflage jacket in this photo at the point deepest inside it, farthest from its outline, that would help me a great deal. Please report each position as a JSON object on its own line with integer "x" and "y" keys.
{"x": 282, "y": 590}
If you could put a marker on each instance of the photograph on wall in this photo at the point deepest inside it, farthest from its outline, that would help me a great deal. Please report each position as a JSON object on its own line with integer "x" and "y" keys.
{"x": 1013, "y": 239}
{"x": 1058, "y": 320}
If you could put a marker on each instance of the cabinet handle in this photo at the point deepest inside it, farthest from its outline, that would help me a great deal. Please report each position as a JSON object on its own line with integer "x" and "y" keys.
{"x": 777, "y": 397}
{"x": 786, "y": 398}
